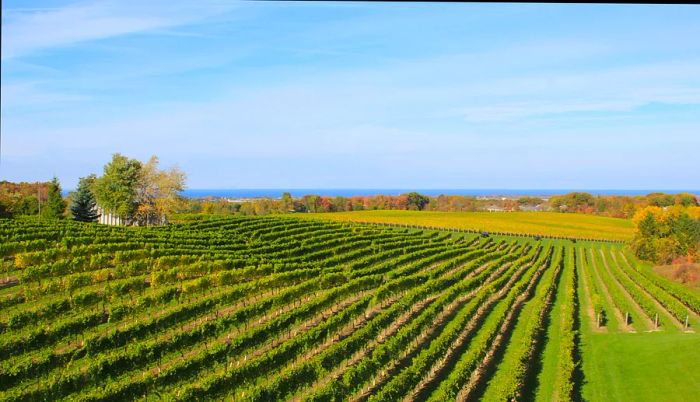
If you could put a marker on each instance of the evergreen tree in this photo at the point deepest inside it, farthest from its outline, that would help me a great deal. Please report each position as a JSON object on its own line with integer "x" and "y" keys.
{"x": 5, "y": 211}
{"x": 83, "y": 205}
{"x": 649, "y": 227}
{"x": 55, "y": 206}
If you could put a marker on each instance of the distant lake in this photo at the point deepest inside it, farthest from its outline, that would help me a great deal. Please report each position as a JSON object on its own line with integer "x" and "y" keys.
{"x": 349, "y": 192}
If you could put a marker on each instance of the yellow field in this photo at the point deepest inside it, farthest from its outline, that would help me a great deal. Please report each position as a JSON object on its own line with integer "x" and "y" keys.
{"x": 542, "y": 223}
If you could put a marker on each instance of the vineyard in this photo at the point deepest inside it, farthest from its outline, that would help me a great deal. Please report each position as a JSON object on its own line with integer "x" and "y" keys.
{"x": 281, "y": 308}
{"x": 553, "y": 224}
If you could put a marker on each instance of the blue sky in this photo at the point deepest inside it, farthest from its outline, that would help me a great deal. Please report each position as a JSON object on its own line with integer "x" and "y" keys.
{"x": 355, "y": 95}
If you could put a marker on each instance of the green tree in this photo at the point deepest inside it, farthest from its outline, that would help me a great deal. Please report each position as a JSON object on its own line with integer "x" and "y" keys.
{"x": 116, "y": 189}
{"x": 417, "y": 201}
{"x": 686, "y": 231}
{"x": 55, "y": 206}
{"x": 312, "y": 203}
{"x": 340, "y": 203}
{"x": 660, "y": 199}
{"x": 649, "y": 227}
{"x": 83, "y": 206}
{"x": 601, "y": 205}
{"x": 287, "y": 203}
{"x": 645, "y": 243}
{"x": 27, "y": 205}
{"x": 573, "y": 202}
{"x": 4, "y": 210}
{"x": 686, "y": 199}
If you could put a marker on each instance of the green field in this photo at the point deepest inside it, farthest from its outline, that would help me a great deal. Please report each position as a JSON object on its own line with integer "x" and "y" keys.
{"x": 282, "y": 308}
{"x": 540, "y": 223}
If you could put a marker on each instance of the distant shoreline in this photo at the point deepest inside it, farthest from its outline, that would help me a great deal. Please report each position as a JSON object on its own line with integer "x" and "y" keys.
{"x": 351, "y": 192}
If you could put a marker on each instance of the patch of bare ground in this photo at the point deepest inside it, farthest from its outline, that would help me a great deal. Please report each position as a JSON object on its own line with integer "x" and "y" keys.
{"x": 8, "y": 282}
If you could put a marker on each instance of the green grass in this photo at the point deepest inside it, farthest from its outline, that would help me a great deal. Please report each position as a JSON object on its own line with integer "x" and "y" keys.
{"x": 541, "y": 223}
{"x": 659, "y": 366}
{"x": 643, "y": 366}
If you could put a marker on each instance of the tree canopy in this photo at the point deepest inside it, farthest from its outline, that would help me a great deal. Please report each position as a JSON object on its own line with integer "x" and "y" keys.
{"x": 115, "y": 190}
{"x": 55, "y": 206}
{"x": 665, "y": 234}
{"x": 417, "y": 201}
{"x": 158, "y": 192}
{"x": 139, "y": 192}
{"x": 83, "y": 204}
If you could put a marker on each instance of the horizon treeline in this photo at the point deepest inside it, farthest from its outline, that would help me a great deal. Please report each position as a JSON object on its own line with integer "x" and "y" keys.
{"x": 575, "y": 202}
{"x": 19, "y": 199}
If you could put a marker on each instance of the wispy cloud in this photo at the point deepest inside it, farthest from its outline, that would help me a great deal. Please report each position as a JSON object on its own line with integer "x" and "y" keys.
{"x": 29, "y": 94}
{"x": 26, "y": 31}
{"x": 610, "y": 89}
{"x": 287, "y": 94}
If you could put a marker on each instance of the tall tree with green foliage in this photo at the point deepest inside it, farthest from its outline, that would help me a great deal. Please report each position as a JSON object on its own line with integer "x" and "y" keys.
{"x": 139, "y": 193}
{"x": 116, "y": 190}
{"x": 665, "y": 234}
{"x": 83, "y": 206}
{"x": 417, "y": 201}
{"x": 287, "y": 203}
{"x": 55, "y": 206}
{"x": 5, "y": 211}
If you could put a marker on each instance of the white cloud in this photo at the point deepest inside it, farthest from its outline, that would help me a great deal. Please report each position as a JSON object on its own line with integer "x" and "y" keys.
{"x": 375, "y": 117}
{"x": 25, "y": 31}
{"x": 29, "y": 94}
{"x": 613, "y": 89}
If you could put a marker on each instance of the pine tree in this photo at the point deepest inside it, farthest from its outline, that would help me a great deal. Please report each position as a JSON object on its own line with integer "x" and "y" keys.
{"x": 55, "y": 206}
{"x": 83, "y": 205}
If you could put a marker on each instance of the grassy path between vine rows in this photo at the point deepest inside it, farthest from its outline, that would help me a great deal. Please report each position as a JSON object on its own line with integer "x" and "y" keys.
{"x": 656, "y": 366}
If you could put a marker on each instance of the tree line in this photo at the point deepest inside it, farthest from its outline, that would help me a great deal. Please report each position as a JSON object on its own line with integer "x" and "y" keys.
{"x": 617, "y": 206}
{"x": 575, "y": 202}
{"x": 42, "y": 199}
{"x": 136, "y": 192}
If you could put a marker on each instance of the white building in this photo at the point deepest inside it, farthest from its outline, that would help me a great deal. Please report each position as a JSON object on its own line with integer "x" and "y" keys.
{"x": 108, "y": 218}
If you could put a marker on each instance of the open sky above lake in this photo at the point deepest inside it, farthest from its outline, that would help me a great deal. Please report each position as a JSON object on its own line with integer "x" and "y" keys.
{"x": 355, "y": 95}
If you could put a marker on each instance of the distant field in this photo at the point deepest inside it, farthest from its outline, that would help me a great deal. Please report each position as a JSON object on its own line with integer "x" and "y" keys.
{"x": 544, "y": 223}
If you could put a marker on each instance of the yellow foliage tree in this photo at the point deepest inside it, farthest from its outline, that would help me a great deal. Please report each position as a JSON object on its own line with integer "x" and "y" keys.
{"x": 158, "y": 192}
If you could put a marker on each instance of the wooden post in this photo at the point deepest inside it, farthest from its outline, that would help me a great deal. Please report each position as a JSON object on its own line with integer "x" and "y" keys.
{"x": 597, "y": 320}
{"x": 686, "y": 322}
{"x": 627, "y": 318}
{"x": 38, "y": 197}
{"x": 656, "y": 321}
